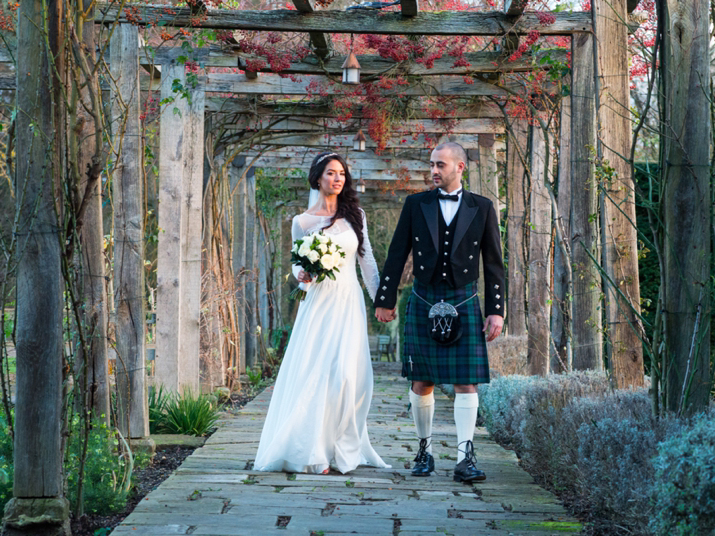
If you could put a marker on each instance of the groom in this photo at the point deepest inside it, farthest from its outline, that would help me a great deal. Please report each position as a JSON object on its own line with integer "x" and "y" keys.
{"x": 446, "y": 229}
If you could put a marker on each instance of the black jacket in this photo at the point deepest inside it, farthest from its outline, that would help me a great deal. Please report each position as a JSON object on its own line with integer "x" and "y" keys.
{"x": 477, "y": 231}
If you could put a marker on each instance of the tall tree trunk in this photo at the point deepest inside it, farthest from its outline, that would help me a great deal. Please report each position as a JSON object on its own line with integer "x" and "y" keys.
{"x": 539, "y": 259}
{"x": 586, "y": 310}
{"x": 93, "y": 273}
{"x": 561, "y": 305}
{"x": 517, "y": 195}
{"x": 618, "y": 210}
{"x": 686, "y": 197}
{"x": 132, "y": 400}
{"x": 238, "y": 248}
{"x": 38, "y": 506}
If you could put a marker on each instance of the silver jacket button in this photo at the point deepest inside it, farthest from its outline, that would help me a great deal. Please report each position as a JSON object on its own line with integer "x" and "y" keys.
{"x": 385, "y": 288}
{"x": 417, "y": 239}
{"x": 419, "y": 253}
{"x": 497, "y": 296}
{"x": 422, "y": 267}
{"x": 476, "y": 242}
{"x": 465, "y": 270}
{"x": 387, "y": 278}
{"x": 471, "y": 257}
{"x": 498, "y": 306}
{"x": 382, "y": 297}
{"x": 496, "y": 287}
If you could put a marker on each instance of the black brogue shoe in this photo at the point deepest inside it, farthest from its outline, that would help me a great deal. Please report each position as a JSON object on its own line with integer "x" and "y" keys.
{"x": 424, "y": 461}
{"x": 466, "y": 471}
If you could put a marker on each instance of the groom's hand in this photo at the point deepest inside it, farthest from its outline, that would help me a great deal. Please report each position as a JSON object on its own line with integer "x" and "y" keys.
{"x": 385, "y": 315}
{"x": 493, "y": 327}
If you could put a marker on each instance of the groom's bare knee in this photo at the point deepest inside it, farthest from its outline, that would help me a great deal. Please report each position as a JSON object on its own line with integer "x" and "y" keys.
{"x": 422, "y": 388}
{"x": 465, "y": 388}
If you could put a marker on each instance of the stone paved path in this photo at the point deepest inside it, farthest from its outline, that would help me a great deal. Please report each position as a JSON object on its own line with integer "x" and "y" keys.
{"x": 214, "y": 492}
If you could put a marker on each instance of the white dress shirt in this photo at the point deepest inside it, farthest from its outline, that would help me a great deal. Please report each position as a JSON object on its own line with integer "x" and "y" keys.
{"x": 450, "y": 208}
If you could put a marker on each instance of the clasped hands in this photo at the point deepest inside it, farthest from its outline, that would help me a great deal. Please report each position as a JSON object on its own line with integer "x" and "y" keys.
{"x": 492, "y": 327}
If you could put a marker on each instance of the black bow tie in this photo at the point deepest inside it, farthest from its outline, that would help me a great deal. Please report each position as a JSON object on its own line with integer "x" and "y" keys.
{"x": 452, "y": 197}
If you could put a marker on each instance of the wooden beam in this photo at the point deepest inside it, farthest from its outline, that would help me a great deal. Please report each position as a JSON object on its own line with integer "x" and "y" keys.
{"x": 618, "y": 208}
{"x": 471, "y": 109}
{"x": 169, "y": 291}
{"x": 191, "y": 220}
{"x": 356, "y": 165}
{"x": 354, "y": 22}
{"x": 587, "y": 339}
{"x": 318, "y": 40}
{"x": 514, "y": 8}
{"x": 372, "y": 177}
{"x": 129, "y": 239}
{"x": 409, "y": 8}
{"x": 275, "y": 85}
{"x": 486, "y": 62}
{"x": 342, "y": 141}
{"x": 406, "y": 128}
{"x": 539, "y": 335}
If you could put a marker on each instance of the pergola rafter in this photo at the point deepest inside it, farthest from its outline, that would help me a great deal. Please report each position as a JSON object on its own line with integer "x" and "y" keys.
{"x": 470, "y": 23}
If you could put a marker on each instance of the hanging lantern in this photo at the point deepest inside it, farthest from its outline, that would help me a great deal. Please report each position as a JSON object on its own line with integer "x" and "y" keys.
{"x": 351, "y": 70}
{"x": 360, "y": 186}
{"x": 359, "y": 141}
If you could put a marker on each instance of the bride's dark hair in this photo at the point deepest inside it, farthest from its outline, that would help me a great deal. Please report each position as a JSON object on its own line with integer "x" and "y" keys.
{"x": 348, "y": 203}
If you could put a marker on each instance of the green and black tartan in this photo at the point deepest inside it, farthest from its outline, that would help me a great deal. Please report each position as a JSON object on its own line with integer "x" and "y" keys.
{"x": 465, "y": 362}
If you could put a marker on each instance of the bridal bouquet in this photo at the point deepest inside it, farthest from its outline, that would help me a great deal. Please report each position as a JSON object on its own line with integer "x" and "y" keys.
{"x": 317, "y": 255}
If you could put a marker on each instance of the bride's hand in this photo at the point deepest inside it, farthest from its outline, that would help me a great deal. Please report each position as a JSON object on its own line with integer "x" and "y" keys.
{"x": 304, "y": 277}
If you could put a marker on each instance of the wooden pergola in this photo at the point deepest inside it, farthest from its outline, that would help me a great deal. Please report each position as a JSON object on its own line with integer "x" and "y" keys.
{"x": 294, "y": 131}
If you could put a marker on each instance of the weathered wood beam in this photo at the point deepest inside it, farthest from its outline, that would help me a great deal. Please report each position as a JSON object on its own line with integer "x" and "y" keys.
{"x": 342, "y": 141}
{"x": 471, "y": 109}
{"x": 318, "y": 40}
{"x": 356, "y": 166}
{"x": 487, "y": 62}
{"x": 587, "y": 325}
{"x": 407, "y": 128}
{"x": 410, "y": 8}
{"x": 368, "y": 158}
{"x": 129, "y": 241}
{"x": 371, "y": 177}
{"x": 275, "y": 85}
{"x": 355, "y": 22}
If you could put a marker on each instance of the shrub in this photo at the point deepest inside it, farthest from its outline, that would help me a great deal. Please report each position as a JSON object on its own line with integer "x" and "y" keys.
{"x": 684, "y": 488}
{"x": 105, "y": 489}
{"x": 6, "y": 467}
{"x": 190, "y": 414}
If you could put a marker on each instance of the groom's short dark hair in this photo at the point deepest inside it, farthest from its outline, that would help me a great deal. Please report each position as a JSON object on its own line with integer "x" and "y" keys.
{"x": 457, "y": 150}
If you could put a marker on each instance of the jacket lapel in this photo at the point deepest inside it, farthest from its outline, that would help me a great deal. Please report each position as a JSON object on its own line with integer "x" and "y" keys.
{"x": 429, "y": 209}
{"x": 465, "y": 215}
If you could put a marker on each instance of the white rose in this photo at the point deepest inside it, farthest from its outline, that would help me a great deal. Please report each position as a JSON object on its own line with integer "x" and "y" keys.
{"x": 323, "y": 248}
{"x": 332, "y": 249}
{"x": 322, "y": 238}
{"x": 337, "y": 259}
{"x": 313, "y": 255}
{"x": 327, "y": 261}
{"x": 294, "y": 249}
{"x": 304, "y": 249}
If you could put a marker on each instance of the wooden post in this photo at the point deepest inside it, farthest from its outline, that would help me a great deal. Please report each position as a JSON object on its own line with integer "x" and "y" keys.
{"x": 561, "y": 303}
{"x": 587, "y": 333}
{"x": 129, "y": 289}
{"x": 96, "y": 364}
{"x": 38, "y": 505}
{"x": 251, "y": 268}
{"x": 475, "y": 186}
{"x": 620, "y": 245}
{"x": 238, "y": 186}
{"x": 517, "y": 194}
{"x": 488, "y": 175}
{"x": 685, "y": 173}
{"x": 171, "y": 171}
{"x": 539, "y": 259}
{"x": 191, "y": 221}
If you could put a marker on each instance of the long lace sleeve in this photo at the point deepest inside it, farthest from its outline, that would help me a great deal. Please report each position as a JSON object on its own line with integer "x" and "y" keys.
{"x": 368, "y": 266}
{"x": 296, "y": 233}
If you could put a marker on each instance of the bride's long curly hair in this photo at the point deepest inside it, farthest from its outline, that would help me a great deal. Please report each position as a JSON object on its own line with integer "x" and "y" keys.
{"x": 348, "y": 203}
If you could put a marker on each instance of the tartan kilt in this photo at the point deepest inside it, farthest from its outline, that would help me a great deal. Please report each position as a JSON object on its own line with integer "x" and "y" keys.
{"x": 464, "y": 362}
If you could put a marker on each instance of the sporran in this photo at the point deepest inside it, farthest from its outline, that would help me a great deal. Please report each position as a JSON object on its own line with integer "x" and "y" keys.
{"x": 445, "y": 326}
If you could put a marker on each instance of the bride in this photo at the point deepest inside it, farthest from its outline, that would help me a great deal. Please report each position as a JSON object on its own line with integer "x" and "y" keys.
{"x": 317, "y": 418}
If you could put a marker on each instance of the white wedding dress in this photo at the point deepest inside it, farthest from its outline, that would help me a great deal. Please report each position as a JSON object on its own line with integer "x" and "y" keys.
{"x": 317, "y": 417}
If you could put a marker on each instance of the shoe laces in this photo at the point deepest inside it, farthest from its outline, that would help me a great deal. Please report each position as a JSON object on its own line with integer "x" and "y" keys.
{"x": 422, "y": 452}
{"x": 468, "y": 451}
